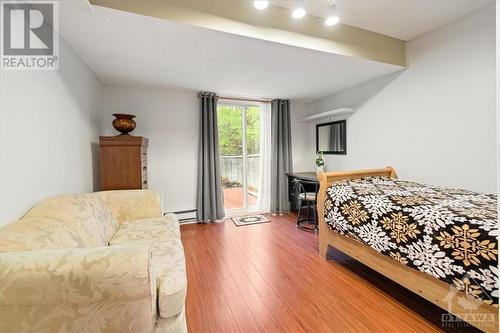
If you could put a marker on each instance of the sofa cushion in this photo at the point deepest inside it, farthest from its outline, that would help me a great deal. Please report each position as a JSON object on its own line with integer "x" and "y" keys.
{"x": 163, "y": 237}
{"x": 148, "y": 229}
{"x": 170, "y": 266}
{"x": 85, "y": 214}
{"x": 174, "y": 324}
{"x": 132, "y": 205}
{"x": 37, "y": 233}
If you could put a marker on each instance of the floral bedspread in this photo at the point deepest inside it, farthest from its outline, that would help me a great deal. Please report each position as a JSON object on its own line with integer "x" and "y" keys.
{"x": 447, "y": 233}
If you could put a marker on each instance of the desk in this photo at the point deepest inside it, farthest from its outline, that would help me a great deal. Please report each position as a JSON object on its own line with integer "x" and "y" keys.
{"x": 308, "y": 176}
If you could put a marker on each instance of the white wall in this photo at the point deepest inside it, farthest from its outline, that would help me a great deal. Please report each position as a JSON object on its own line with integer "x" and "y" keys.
{"x": 169, "y": 119}
{"x": 303, "y": 142}
{"x": 48, "y": 133}
{"x": 435, "y": 122}
{"x": 498, "y": 99}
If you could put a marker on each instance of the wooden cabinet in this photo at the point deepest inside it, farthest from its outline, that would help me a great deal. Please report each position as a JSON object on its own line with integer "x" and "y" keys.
{"x": 123, "y": 162}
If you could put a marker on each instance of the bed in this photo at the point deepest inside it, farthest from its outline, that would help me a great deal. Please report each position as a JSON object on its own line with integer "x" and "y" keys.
{"x": 439, "y": 243}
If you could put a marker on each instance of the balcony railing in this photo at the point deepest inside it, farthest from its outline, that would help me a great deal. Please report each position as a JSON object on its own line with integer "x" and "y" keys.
{"x": 232, "y": 171}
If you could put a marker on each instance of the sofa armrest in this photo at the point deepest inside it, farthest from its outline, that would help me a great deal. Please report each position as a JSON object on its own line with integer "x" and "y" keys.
{"x": 129, "y": 205}
{"x": 79, "y": 290}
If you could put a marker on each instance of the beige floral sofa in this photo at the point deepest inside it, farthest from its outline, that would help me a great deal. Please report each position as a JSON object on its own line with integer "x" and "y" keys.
{"x": 99, "y": 262}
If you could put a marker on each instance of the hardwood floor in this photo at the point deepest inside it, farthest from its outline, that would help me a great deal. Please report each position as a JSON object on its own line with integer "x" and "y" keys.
{"x": 269, "y": 278}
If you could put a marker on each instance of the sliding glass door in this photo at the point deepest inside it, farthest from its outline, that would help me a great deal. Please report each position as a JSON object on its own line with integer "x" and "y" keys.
{"x": 239, "y": 145}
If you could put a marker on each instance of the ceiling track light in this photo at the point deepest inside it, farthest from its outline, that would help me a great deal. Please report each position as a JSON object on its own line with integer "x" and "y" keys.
{"x": 333, "y": 17}
{"x": 260, "y": 4}
{"x": 299, "y": 11}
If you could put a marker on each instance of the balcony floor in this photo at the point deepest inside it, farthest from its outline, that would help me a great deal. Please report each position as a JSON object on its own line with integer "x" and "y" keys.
{"x": 233, "y": 198}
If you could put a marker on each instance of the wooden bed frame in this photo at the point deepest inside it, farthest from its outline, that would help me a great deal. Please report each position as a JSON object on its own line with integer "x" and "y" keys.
{"x": 481, "y": 315}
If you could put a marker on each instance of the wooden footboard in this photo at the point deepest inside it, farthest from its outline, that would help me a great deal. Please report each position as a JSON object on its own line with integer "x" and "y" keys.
{"x": 481, "y": 315}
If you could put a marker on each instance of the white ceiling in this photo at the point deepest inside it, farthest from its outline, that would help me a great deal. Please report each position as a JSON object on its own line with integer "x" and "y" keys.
{"x": 403, "y": 19}
{"x": 126, "y": 49}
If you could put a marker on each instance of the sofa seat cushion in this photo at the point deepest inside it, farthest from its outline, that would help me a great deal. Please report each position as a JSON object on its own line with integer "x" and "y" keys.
{"x": 85, "y": 214}
{"x": 38, "y": 233}
{"x": 170, "y": 266}
{"x": 159, "y": 228}
{"x": 174, "y": 324}
{"x": 168, "y": 261}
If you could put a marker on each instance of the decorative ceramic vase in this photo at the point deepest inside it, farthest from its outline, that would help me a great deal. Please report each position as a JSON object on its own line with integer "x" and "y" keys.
{"x": 124, "y": 123}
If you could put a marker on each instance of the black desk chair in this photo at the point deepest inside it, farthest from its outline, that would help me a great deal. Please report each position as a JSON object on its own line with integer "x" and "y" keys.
{"x": 310, "y": 198}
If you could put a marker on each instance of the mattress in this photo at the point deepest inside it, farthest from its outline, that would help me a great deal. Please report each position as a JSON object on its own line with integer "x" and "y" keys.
{"x": 450, "y": 234}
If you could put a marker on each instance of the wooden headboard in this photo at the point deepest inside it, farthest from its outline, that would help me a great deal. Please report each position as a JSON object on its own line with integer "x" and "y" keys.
{"x": 329, "y": 177}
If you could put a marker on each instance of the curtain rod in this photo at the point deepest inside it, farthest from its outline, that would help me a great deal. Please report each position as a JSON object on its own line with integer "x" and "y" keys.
{"x": 246, "y": 99}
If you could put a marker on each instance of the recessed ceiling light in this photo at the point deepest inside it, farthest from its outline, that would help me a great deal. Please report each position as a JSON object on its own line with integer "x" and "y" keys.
{"x": 261, "y": 4}
{"x": 298, "y": 13}
{"x": 332, "y": 20}
{"x": 333, "y": 17}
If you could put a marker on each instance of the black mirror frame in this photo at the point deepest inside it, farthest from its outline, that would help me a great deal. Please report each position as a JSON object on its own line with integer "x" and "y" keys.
{"x": 344, "y": 152}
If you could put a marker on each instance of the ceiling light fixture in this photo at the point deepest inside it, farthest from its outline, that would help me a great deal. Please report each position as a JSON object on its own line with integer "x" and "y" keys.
{"x": 260, "y": 4}
{"x": 299, "y": 11}
{"x": 333, "y": 17}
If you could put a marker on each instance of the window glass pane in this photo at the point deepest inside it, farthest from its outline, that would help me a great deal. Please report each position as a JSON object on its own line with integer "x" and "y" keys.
{"x": 253, "y": 153}
{"x": 230, "y": 126}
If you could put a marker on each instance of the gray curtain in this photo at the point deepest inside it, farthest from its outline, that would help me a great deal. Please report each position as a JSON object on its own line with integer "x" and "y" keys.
{"x": 281, "y": 155}
{"x": 209, "y": 201}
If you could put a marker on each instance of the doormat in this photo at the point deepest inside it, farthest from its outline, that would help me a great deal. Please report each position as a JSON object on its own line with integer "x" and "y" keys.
{"x": 250, "y": 219}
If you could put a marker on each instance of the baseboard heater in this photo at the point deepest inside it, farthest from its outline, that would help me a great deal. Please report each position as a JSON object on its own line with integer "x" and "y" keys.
{"x": 185, "y": 216}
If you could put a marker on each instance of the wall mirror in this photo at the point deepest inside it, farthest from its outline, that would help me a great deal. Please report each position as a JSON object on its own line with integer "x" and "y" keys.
{"x": 331, "y": 137}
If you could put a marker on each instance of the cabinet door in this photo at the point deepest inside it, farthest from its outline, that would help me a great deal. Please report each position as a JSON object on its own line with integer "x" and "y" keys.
{"x": 121, "y": 168}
